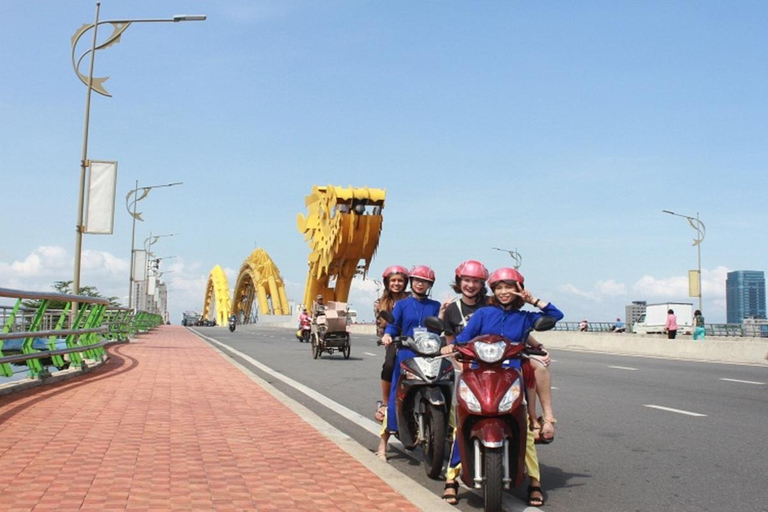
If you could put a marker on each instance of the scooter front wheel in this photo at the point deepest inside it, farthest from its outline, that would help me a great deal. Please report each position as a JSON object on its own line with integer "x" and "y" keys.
{"x": 434, "y": 444}
{"x": 494, "y": 479}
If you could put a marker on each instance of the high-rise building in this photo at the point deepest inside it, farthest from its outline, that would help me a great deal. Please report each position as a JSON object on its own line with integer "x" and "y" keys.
{"x": 745, "y": 295}
{"x": 633, "y": 311}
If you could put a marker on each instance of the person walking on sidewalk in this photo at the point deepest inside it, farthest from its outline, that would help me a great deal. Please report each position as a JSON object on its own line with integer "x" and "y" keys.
{"x": 671, "y": 326}
{"x": 698, "y": 326}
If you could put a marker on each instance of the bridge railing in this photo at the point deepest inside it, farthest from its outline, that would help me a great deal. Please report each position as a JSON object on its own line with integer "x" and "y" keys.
{"x": 730, "y": 330}
{"x": 41, "y": 337}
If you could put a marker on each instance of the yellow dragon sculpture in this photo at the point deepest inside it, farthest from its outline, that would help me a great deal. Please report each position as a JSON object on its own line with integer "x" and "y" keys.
{"x": 342, "y": 227}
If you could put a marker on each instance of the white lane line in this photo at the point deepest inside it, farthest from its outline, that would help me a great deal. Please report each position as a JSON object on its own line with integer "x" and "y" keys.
{"x": 509, "y": 504}
{"x": 553, "y": 387}
{"x": 419, "y": 495}
{"x": 624, "y": 368}
{"x": 745, "y": 382}
{"x": 369, "y": 354}
{"x": 678, "y": 411}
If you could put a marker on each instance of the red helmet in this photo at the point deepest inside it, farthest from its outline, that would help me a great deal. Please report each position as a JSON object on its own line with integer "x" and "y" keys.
{"x": 394, "y": 269}
{"x": 423, "y": 272}
{"x": 505, "y": 274}
{"x": 472, "y": 268}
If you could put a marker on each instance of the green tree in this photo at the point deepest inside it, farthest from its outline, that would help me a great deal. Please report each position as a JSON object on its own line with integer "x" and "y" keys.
{"x": 65, "y": 287}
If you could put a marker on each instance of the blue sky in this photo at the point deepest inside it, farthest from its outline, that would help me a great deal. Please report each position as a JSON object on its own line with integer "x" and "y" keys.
{"x": 559, "y": 129}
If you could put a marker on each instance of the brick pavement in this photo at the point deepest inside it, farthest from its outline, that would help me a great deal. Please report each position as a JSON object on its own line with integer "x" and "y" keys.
{"x": 168, "y": 424}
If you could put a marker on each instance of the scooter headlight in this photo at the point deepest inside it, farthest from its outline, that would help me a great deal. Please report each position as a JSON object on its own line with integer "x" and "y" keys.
{"x": 490, "y": 352}
{"x": 427, "y": 343}
{"x": 510, "y": 396}
{"x": 469, "y": 398}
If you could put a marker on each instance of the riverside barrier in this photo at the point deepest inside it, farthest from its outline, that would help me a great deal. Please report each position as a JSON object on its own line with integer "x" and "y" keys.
{"x": 728, "y": 349}
{"x": 39, "y": 337}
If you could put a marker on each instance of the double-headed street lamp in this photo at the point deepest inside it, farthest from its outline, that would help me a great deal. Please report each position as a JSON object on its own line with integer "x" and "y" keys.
{"x": 96, "y": 84}
{"x": 514, "y": 254}
{"x": 131, "y": 205}
{"x": 701, "y": 231}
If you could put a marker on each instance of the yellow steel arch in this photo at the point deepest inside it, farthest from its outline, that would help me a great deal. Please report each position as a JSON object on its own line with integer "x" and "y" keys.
{"x": 217, "y": 296}
{"x": 259, "y": 282}
{"x": 342, "y": 227}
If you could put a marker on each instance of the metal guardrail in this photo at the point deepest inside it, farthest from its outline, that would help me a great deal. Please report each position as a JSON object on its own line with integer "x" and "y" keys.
{"x": 729, "y": 330}
{"x": 84, "y": 335}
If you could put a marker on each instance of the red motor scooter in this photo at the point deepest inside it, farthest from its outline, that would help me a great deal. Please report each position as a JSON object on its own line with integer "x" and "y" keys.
{"x": 305, "y": 329}
{"x": 491, "y": 413}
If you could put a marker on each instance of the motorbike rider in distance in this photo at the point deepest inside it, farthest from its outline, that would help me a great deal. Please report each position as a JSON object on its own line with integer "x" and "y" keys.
{"x": 409, "y": 315}
{"x": 319, "y": 307}
{"x": 503, "y": 317}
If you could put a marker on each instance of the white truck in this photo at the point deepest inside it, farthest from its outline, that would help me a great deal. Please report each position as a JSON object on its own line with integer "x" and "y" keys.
{"x": 654, "y": 319}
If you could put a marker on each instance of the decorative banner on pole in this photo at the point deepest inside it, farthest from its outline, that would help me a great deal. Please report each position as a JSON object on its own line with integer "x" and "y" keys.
{"x": 102, "y": 183}
{"x": 693, "y": 284}
{"x": 151, "y": 286}
{"x": 139, "y": 265}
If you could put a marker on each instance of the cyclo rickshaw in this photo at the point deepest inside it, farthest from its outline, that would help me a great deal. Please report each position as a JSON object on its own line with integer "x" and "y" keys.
{"x": 329, "y": 330}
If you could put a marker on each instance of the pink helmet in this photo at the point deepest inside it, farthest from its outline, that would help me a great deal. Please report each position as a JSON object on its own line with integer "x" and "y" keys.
{"x": 472, "y": 268}
{"x": 423, "y": 272}
{"x": 505, "y": 274}
{"x": 394, "y": 269}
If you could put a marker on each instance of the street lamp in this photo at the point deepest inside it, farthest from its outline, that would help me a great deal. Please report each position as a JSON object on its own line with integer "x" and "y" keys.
{"x": 701, "y": 231}
{"x": 135, "y": 215}
{"x": 515, "y": 256}
{"x": 96, "y": 84}
{"x": 148, "y": 243}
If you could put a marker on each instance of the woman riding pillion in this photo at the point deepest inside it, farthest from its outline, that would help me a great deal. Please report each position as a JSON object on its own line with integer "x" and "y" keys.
{"x": 395, "y": 280}
{"x": 503, "y": 317}
{"x": 408, "y": 317}
{"x": 470, "y": 283}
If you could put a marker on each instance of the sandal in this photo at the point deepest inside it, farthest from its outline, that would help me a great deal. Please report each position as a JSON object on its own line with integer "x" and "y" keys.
{"x": 451, "y": 493}
{"x": 382, "y": 456}
{"x": 536, "y": 430}
{"x": 381, "y": 410}
{"x": 547, "y": 434}
{"x": 535, "y": 501}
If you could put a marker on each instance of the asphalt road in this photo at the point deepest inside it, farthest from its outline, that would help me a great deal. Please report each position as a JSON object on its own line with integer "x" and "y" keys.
{"x": 634, "y": 434}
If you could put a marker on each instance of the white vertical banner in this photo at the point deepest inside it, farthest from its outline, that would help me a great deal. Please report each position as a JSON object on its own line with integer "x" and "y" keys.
{"x": 139, "y": 265}
{"x": 151, "y": 286}
{"x": 102, "y": 184}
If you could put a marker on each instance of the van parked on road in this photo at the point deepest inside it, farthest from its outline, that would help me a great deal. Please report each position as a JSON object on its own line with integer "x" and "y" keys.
{"x": 654, "y": 319}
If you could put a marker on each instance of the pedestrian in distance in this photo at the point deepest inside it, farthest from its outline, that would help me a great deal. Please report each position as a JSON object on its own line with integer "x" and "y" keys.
{"x": 671, "y": 326}
{"x": 698, "y": 326}
{"x": 584, "y": 325}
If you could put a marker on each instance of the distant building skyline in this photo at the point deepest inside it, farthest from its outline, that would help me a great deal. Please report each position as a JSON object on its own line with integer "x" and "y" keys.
{"x": 744, "y": 295}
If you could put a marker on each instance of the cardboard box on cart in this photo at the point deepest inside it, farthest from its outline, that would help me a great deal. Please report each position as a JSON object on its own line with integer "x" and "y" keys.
{"x": 336, "y": 316}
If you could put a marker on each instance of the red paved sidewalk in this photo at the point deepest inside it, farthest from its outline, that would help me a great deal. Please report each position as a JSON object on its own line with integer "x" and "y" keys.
{"x": 166, "y": 424}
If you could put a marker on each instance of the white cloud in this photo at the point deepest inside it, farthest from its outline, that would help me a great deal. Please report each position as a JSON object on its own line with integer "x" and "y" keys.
{"x": 611, "y": 288}
{"x": 569, "y": 289}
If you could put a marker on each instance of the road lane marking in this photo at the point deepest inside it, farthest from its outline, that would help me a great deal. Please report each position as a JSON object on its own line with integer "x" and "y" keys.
{"x": 419, "y": 495}
{"x": 745, "y": 382}
{"x": 624, "y": 368}
{"x": 509, "y": 504}
{"x": 678, "y": 411}
{"x": 369, "y": 354}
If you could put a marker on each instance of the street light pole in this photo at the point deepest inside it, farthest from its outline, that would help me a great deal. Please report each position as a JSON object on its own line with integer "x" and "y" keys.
{"x": 148, "y": 243}
{"x": 514, "y": 254}
{"x": 136, "y": 199}
{"x": 701, "y": 232}
{"x": 119, "y": 26}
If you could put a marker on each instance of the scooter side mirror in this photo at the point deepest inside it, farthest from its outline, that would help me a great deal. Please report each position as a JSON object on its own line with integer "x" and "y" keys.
{"x": 434, "y": 324}
{"x": 545, "y": 323}
{"x": 387, "y": 316}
